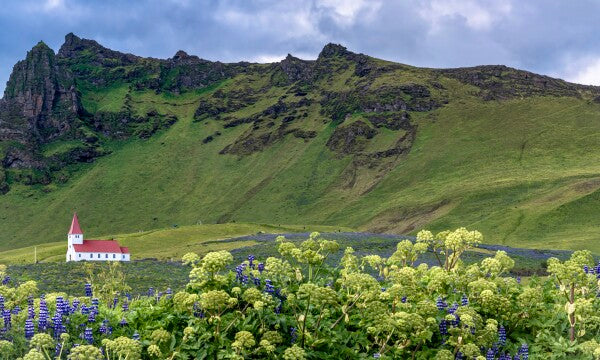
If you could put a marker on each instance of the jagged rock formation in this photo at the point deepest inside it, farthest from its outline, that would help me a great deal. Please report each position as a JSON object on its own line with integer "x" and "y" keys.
{"x": 40, "y": 101}
{"x": 360, "y": 97}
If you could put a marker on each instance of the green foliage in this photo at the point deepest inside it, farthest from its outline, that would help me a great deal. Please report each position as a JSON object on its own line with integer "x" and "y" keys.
{"x": 298, "y": 307}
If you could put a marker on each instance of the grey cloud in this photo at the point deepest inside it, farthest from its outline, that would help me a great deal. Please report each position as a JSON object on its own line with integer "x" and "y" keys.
{"x": 540, "y": 36}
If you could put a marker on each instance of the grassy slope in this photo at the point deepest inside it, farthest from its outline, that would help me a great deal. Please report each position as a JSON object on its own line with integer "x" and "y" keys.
{"x": 526, "y": 172}
{"x": 169, "y": 243}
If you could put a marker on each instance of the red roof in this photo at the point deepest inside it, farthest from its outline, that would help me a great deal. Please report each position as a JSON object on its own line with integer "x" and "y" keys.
{"x": 75, "y": 229}
{"x": 103, "y": 246}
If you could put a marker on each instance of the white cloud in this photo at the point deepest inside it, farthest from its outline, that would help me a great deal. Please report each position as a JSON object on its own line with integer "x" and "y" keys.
{"x": 53, "y": 4}
{"x": 584, "y": 71}
{"x": 478, "y": 15}
{"x": 347, "y": 12}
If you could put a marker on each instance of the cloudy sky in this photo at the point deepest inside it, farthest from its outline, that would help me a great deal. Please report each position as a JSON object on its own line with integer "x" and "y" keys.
{"x": 558, "y": 38}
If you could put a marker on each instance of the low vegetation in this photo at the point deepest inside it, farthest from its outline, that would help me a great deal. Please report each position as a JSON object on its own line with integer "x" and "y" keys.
{"x": 295, "y": 306}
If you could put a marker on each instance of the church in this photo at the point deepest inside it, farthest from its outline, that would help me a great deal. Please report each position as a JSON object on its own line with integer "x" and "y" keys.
{"x": 92, "y": 250}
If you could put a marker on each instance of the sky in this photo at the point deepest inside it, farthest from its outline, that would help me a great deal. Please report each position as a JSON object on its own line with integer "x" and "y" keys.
{"x": 556, "y": 38}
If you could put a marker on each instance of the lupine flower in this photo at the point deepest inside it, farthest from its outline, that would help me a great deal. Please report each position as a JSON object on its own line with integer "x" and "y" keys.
{"x": 7, "y": 316}
{"x": 279, "y": 307}
{"x": 403, "y": 300}
{"x": 88, "y": 335}
{"x": 6, "y": 280}
{"x": 443, "y": 327}
{"x": 261, "y": 267}
{"x": 16, "y": 310}
{"x": 490, "y": 355}
{"x": 501, "y": 336}
{"x": 169, "y": 292}
{"x": 452, "y": 309}
{"x": 293, "y": 335}
{"x": 524, "y": 352}
{"x": 125, "y": 306}
{"x": 135, "y": 336}
{"x": 103, "y": 329}
{"x": 1, "y": 303}
{"x": 150, "y": 292}
{"x": 441, "y": 304}
{"x": 459, "y": 356}
{"x": 115, "y": 302}
{"x": 256, "y": 281}
{"x": 464, "y": 301}
{"x": 92, "y": 317}
{"x": 57, "y": 348}
{"x": 269, "y": 288}
{"x": 123, "y": 322}
{"x": 251, "y": 261}
{"x": 74, "y": 305}
{"x": 245, "y": 279}
{"x": 43, "y": 318}
{"x": 29, "y": 330}
{"x": 88, "y": 290}
{"x": 376, "y": 355}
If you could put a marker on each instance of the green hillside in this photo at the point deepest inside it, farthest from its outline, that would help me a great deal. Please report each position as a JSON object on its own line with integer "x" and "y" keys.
{"x": 512, "y": 154}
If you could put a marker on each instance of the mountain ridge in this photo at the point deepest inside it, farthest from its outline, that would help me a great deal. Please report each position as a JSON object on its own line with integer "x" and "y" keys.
{"x": 345, "y": 139}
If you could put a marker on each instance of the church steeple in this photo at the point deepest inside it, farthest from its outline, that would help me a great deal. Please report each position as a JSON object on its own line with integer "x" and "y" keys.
{"x": 75, "y": 236}
{"x": 75, "y": 228}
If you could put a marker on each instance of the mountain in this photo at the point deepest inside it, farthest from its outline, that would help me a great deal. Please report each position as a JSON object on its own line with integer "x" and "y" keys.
{"x": 135, "y": 143}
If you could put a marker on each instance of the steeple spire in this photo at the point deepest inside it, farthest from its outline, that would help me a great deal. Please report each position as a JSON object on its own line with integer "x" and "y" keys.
{"x": 75, "y": 228}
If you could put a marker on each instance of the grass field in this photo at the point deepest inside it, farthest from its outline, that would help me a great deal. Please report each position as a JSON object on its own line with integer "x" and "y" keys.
{"x": 165, "y": 244}
{"x": 524, "y": 171}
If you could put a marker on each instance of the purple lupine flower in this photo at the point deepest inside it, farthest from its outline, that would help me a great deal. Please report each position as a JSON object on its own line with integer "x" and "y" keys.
{"x": 1, "y": 303}
{"x": 16, "y": 310}
{"x": 57, "y": 324}
{"x": 279, "y": 307}
{"x": 464, "y": 300}
{"x": 459, "y": 356}
{"x": 452, "y": 309}
{"x": 251, "y": 261}
{"x": 501, "y": 336}
{"x": 490, "y": 355}
{"x": 6, "y": 314}
{"x": 135, "y": 336}
{"x": 403, "y": 299}
{"x": 151, "y": 292}
{"x": 293, "y": 335}
{"x": 524, "y": 352}
{"x": 440, "y": 304}
{"x": 125, "y": 306}
{"x": 95, "y": 302}
{"x": 269, "y": 288}
{"x": 88, "y": 290}
{"x": 57, "y": 349}
{"x": 115, "y": 302}
{"x": 6, "y": 280}
{"x": 169, "y": 293}
{"x": 443, "y": 327}
{"x": 123, "y": 322}
{"x": 245, "y": 279}
{"x": 586, "y": 269}
{"x": 92, "y": 317}
{"x": 256, "y": 281}
{"x": 376, "y": 356}
{"x": 75, "y": 305}
{"x": 103, "y": 328}
{"x": 43, "y": 317}
{"x": 29, "y": 330}
{"x": 456, "y": 321}
{"x": 261, "y": 267}
{"x": 88, "y": 335}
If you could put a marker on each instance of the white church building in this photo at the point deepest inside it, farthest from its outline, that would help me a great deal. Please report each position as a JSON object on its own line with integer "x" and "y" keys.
{"x": 92, "y": 250}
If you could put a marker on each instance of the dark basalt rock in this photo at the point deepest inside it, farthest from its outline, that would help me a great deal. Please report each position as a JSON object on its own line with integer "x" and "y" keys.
{"x": 296, "y": 69}
{"x": 499, "y": 82}
{"x": 350, "y": 138}
{"x": 395, "y": 121}
{"x": 40, "y": 101}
